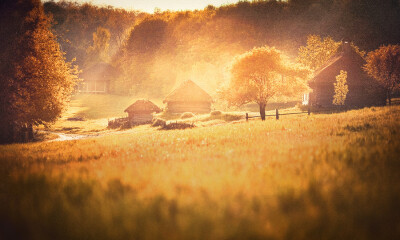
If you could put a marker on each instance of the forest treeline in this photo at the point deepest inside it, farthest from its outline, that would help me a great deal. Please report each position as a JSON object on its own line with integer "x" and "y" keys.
{"x": 75, "y": 24}
{"x": 153, "y": 52}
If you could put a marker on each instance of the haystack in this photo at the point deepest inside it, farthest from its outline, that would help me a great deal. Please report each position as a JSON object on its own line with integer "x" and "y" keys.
{"x": 142, "y": 111}
{"x": 188, "y": 97}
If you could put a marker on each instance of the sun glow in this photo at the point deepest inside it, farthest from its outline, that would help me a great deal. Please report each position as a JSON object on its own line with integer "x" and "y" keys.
{"x": 163, "y": 5}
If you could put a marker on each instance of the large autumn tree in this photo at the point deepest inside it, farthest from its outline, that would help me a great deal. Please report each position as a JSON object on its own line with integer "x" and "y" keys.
{"x": 35, "y": 81}
{"x": 383, "y": 64}
{"x": 263, "y": 73}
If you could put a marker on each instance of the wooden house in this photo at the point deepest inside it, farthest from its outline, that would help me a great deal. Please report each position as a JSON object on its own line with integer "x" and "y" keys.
{"x": 188, "y": 97}
{"x": 96, "y": 78}
{"x": 363, "y": 90}
{"x": 142, "y": 111}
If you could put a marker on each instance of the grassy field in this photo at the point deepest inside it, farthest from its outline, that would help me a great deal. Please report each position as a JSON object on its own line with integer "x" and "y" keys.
{"x": 324, "y": 176}
{"x": 95, "y": 110}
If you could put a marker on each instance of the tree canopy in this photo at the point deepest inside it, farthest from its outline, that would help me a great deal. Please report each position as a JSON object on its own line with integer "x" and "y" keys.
{"x": 99, "y": 50}
{"x": 200, "y": 44}
{"x": 35, "y": 79}
{"x": 383, "y": 64}
{"x": 263, "y": 73}
{"x": 317, "y": 51}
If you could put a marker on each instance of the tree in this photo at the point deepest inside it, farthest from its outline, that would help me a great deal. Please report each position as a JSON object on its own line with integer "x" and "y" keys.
{"x": 341, "y": 89}
{"x": 98, "y": 52}
{"x": 263, "y": 73}
{"x": 317, "y": 51}
{"x": 35, "y": 80}
{"x": 383, "y": 65}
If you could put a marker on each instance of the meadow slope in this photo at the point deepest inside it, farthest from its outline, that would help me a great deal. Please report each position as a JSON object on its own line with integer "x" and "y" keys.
{"x": 324, "y": 176}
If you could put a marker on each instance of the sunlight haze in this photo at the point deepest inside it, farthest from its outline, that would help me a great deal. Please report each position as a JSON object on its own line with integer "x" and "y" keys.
{"x": 150, "y": 5}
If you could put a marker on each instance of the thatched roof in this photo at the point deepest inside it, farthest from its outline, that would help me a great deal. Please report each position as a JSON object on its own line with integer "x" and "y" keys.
{"x": 99, "y": 72}
{"x": 143, "y": 106}
{"x": 188, "y": 91}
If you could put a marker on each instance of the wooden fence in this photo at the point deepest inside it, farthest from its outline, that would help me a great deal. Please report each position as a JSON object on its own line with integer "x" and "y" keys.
{"x": 277, "y": 114}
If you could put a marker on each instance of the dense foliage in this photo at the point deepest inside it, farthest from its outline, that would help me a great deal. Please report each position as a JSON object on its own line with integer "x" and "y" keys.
{"x": 74, "y": 25}
{"x": 263, "y": 73}
{"x": 35, "y": 81}
{"x": 169, "y": 47}
{"x": 383, "y": 64}
{"x": 317, "y": 51}
{"x": 341, "y": 89}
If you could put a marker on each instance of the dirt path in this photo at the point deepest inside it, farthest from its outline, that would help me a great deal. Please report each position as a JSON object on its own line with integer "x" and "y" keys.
{"x": 69, "y": 136}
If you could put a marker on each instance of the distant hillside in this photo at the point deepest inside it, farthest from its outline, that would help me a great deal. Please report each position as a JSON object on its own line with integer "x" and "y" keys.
{"x": 166, "y": 48}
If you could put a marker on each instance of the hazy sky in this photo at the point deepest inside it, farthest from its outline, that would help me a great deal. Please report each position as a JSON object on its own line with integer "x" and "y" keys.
{"x": 149, "y": 5}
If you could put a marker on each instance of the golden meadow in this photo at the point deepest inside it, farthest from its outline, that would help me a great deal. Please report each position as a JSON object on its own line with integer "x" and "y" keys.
{"x": 324, "y": 176}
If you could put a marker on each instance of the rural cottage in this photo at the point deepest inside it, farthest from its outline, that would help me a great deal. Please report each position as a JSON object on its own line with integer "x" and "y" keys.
{"x": 363, "y": 91}
{"x": 188, "y": 97}
{"x": 141, "y": 112}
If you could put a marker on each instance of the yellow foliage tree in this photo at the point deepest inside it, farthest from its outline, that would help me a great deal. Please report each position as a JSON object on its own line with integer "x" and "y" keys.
{"x": 383, "y": 64}
{"x": 341, "y": 89}
{"x": 263, "y": 73}
{"x": 317, "y": 51}
{"x": 99, "y": 51}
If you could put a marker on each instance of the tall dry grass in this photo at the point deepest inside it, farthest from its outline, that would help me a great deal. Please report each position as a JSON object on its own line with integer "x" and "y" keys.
{"x": 318, "y": 177}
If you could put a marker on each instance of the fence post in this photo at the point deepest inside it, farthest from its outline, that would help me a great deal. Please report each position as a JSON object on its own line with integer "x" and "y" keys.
{"x": 277, "y": 114}
{"x": 247, "y": 117}
{"x": 309, "y": 110}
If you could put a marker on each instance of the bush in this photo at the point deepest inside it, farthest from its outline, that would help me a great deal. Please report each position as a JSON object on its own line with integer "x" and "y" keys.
{"x": 216, "y": 113}
{"x": 159, "y": 122}
{"x": 187, "y": 115}
{"x": 232, "y": 117}
{"x": 119, "y": 123}
{"x": 302, "y": 107}
{"x": 178, "y": 125}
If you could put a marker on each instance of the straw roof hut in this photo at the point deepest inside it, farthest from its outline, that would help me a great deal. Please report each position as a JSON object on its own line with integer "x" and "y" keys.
{"x": 363, "y": 91}
{"x": 142, "y": 111}
{"x": 188, "y": 97}
{"x": 96, "y": 78}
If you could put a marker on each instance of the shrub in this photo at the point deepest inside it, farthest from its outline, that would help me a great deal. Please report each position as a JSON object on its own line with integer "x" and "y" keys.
{"x": 159, "y": 122}
{"x": 216, "y": 113}
{"x": 232, "y": 117}
{"x": 126, "y": 125}
{"x": 178, "y": 125}
{"x": 187, "y": 115}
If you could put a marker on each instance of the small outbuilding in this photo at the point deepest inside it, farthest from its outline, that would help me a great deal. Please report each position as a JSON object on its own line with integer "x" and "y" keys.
{"x": 141, "y": 111}
{"x": 363, "y": 90}
{"x": 188, "y": 97}
{"x": 97, "y": 78}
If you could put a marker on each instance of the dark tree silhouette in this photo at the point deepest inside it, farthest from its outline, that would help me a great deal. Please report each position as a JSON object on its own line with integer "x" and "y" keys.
{"x": 35, "y": 80}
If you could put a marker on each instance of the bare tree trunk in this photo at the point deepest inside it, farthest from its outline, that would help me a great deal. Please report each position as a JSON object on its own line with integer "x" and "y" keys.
{"x": 389, "y": 97}
{"x": 30, "y": 132}
{"x": 262, "y": 111}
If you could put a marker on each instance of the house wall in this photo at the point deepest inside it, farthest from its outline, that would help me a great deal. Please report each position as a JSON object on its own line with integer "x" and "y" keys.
{"x": 194, "y": 107}
{"x": 140, "y": 117}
